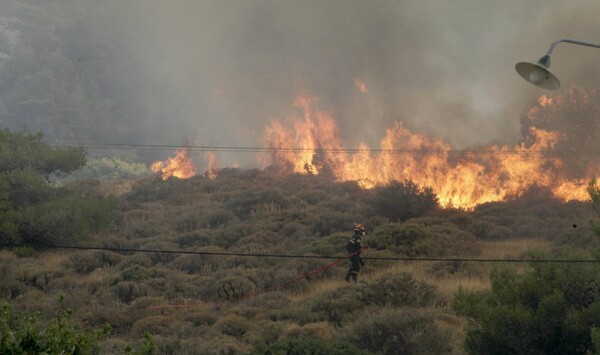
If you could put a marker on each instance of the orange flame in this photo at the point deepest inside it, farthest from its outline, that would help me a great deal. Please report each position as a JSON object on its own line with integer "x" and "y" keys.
{"x": 212, "y": 170}
{"x": 361, "y": 86}
{"x": 180, "y": 166}
{"x": 545, "y": 100}
{"x": 460, "y": 179}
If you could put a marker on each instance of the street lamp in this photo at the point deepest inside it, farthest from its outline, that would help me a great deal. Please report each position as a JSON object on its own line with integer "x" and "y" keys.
{"x": 538, "y": 73}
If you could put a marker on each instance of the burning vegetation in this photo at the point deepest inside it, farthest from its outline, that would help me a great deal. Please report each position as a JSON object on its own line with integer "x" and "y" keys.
{"x": 180, "y": 166}
{"x": 553, "y": 154}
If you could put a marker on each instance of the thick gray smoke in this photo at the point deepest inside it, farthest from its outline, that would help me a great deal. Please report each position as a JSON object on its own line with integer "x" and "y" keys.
{"x": 442, "y": 67}
{"x": 217, "y": 72}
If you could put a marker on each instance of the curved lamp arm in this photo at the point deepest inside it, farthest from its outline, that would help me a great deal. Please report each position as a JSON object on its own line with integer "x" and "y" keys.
{"x": 545, "y": 60}
{"x": 538, "y": 73}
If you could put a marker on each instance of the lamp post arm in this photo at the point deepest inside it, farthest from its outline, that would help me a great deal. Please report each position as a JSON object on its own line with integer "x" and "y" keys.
{"x": 571, "y": 40}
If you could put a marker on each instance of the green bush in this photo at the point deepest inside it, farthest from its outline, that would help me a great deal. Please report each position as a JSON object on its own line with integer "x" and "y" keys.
{"x": 550, "y": 309}
{"x": 29, "y": 334}
{"x": 596, "y": 339}
{"x": 111, "y": 169}
{"x": 400, "y": 201}
{"x": 413, "y": 239}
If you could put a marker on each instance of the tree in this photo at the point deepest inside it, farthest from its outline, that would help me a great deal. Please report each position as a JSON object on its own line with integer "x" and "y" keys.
{"x": 550, "y": 309}
{"x": 594, "y": 192}
{"x": 31, "y": 208}
{"x": 28, "y": 334}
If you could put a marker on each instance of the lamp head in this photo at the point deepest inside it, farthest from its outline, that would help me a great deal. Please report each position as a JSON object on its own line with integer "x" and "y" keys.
{"x": 538, "y": 73}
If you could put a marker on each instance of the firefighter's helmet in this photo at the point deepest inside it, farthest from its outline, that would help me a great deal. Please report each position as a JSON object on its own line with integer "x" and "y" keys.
{"x": 359, "y": 228}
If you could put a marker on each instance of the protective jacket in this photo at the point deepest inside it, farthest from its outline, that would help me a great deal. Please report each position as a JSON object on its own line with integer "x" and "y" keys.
{"x": 353, "y": 247}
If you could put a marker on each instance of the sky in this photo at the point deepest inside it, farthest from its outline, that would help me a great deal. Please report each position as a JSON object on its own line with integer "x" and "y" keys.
{"x": 222, "y": 70}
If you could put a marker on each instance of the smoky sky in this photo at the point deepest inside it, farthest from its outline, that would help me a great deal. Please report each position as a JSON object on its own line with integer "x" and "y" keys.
{"x": 217, "y": 72}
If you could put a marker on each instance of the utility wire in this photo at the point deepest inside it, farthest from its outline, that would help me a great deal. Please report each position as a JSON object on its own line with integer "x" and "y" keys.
{"x": 249, "y": 149}
{"x": 292, "y": 256}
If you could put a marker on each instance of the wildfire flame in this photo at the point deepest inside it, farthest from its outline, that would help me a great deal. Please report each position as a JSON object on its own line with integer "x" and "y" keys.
{"x": 213, "y": 167}
{"x": 362, "y": 87}
{"x": 311, "y": 144}
{"x": 545, "y": 100}
{"x": 180, "y": 166}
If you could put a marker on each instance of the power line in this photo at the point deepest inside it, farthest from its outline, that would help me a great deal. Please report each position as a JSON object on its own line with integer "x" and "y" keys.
{"x": 251, "y": 149}
{"x": 293, "y": 256}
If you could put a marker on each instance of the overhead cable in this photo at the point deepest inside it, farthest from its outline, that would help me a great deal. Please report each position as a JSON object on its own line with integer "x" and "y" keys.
{"x": 251, "y": 149}
{"x": 295, "y": 256}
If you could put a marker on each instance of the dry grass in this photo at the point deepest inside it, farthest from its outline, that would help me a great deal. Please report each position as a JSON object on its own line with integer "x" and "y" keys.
{"x": 512, "y": 248}
{"x": 474, "y": 278}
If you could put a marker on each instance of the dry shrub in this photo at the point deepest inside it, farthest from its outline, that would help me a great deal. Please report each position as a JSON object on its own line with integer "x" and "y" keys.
{"x": 399, "y": 289}
{"x": 216, "y": 219}
{"x": 96, "y": 316}
{"x": 317, "y": 330}
{"x": 201, "y": 318}
{"x": 41, "y": 277}
{"x": 84, "y": 262}
{"x": 500, "y": 232}
{"x": 231, "y": 288}
{"x": 144, "y": 303}
{"x": 337, "y": 306}
{"x": 9, "y": 287}
{"x": 269, "y": 300}
{"x": 443, "y": 269}
{"x": 152, "y": 325}
{"x": 128, "y": 291}
{"x": 264, "y": 332}
{"x": 141, "y": 259}
{"x": 233, "y": 325}
{"x": 400, "y": 331}
{"x": 193, "y": 264}
{"x": 220, "y": 345}
{"x": 137, "y": 273}
{"x": 340, "y": 305}
{"x": 195, "y": 238}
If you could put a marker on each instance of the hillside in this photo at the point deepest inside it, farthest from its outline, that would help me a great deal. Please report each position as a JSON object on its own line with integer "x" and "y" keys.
{"x": 194, "y": 303}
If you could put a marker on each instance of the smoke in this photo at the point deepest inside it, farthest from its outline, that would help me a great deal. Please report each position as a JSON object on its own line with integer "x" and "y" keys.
{"x": 217, "y": 72}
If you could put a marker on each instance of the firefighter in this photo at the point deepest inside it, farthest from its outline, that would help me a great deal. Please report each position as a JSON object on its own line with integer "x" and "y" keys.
{"x": 353, "y": 247}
